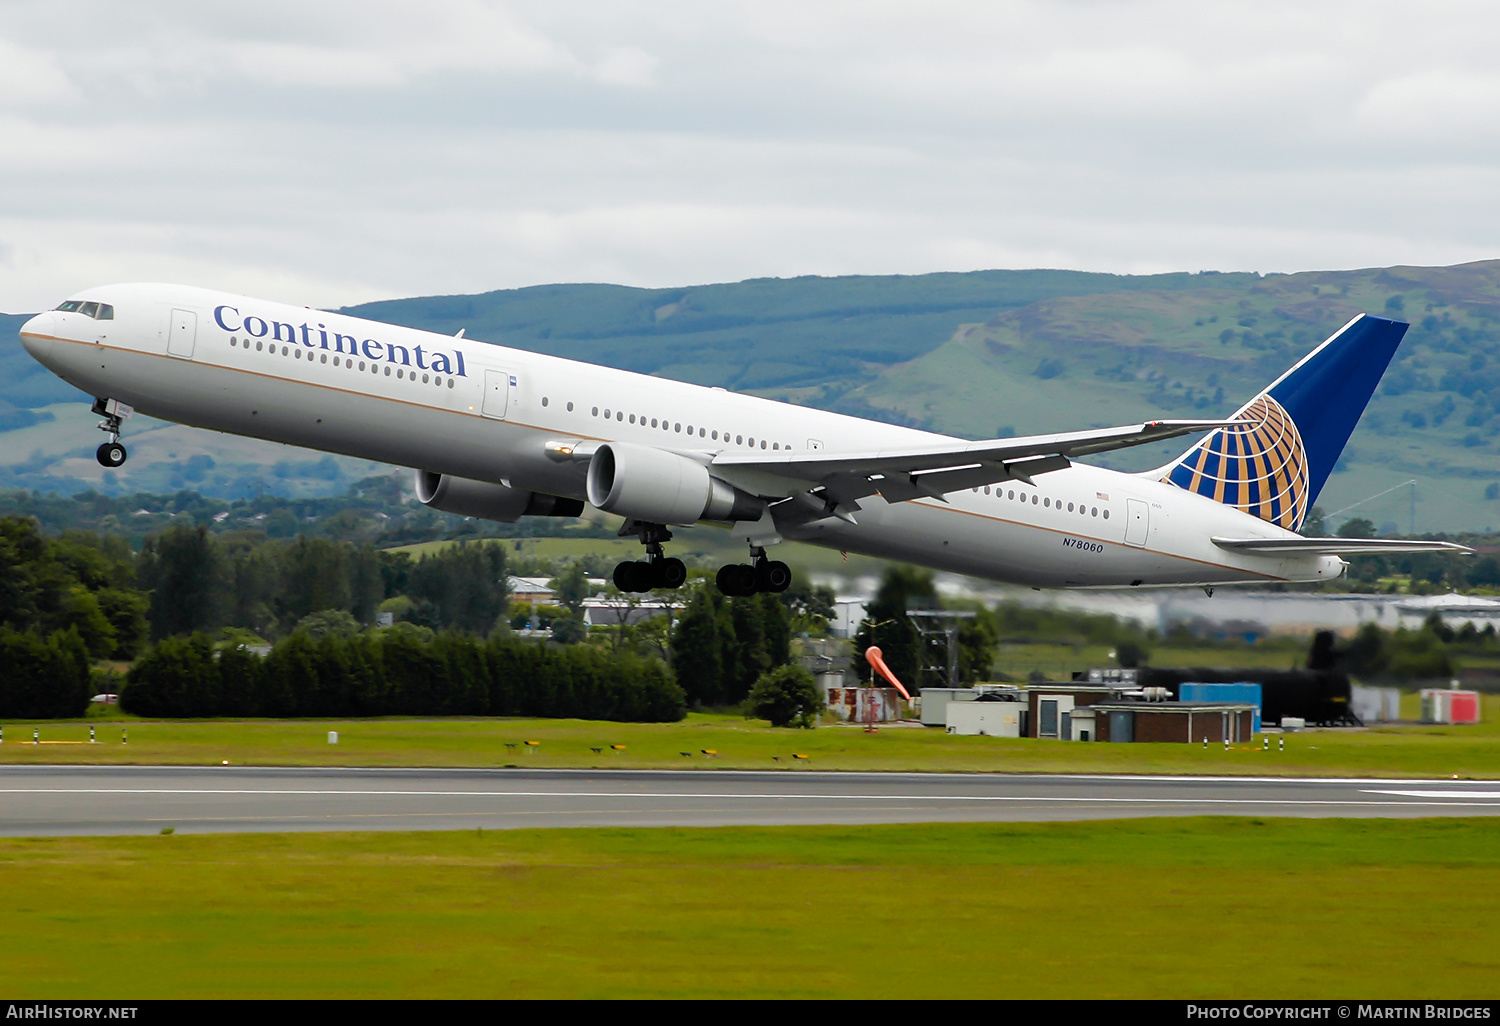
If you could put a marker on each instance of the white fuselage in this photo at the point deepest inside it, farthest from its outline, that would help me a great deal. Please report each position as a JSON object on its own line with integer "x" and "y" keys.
{"x": 482, "y": 411}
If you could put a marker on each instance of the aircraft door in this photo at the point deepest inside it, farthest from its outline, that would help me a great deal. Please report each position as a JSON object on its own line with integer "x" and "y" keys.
{"x": 1137, "y": 522}
{"x": 182, "y": 334}
{"x": 496, "y": 393}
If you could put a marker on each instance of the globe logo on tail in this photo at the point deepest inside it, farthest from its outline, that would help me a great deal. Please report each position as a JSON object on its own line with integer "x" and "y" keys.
{"x": 1258, "y": 466}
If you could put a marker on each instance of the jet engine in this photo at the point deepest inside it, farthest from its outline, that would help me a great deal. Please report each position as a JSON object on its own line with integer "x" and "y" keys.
{"x": 490, "y": 501}
{"x": 661, "y": 487}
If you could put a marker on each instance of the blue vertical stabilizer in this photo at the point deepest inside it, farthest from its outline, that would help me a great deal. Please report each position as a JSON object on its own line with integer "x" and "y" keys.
{"x": 1276, "y": 464}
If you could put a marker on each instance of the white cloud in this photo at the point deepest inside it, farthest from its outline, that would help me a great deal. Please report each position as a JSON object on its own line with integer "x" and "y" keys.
{"x": 30, "y": 77}
{"x": 338, "y": 151}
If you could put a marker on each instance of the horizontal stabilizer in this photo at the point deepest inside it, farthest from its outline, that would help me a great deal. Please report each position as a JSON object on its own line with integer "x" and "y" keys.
{"x": 1334, "y": 546}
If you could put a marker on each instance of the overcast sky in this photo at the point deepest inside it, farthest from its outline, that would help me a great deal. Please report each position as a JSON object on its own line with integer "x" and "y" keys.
{"x": 327, "y": 152}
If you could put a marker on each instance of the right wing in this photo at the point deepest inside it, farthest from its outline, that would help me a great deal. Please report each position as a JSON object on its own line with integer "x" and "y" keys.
{"x": 820, "y": 483}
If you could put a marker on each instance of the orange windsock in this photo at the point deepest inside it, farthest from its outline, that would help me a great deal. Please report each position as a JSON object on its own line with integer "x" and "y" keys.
{"x": 873, "y": 655}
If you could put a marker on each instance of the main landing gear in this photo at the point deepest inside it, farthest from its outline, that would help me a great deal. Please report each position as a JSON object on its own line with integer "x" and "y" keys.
{"x": 111, "y": 454}
{"x": 660, "y": 571}
{"x": 656, "y": 570}
{"x": 761, "y": 574}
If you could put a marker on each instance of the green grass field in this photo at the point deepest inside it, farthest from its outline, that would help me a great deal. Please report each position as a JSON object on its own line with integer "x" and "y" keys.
{"x": 1398, "y": 751}
{"x": 1143, "y": 908}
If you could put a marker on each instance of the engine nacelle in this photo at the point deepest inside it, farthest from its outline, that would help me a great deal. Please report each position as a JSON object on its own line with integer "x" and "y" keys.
{"x": 662, "y": 487}
{"x": 490, "y": 501}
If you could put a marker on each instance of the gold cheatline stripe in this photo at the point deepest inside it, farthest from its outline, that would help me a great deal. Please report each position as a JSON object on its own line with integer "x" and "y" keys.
{"x": 463, "y": 413}
{"x": 317, "y": 384}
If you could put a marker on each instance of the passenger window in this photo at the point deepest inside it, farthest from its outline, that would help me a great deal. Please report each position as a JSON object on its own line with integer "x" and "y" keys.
{"x": 388, "y": 371}
{"x": 299, "y": 354}
{"x": 450, "y": 382}
{"x": 257, "y": 345}
{"x": 324, "y": 358}
{"x": 1010, "y": 495}
{"x": 1033, "y": 500}
{"x": 653, "y": 422}
{"x": 621, "y": 416}
{"x": 1094, "y": 512}
{"x": 677, "y": 428}
{"x": 632, "y": 418}
{"x": 570, "y": 407}
{"x": 716, "y": 436}
{"x": 774, "y": 445}
{"x": 1070, "y": 507}
{"x": 739, "y": 439}
{"x": 596, "y": 412}
{"x": 1106, "y": 514}
{"x": 361, "y": 365}
{"x": 544, "y": 398}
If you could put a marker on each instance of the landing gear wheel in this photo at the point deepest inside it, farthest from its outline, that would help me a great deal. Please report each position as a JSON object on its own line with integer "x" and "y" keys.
{"x": 669, "y": 573}
{"x": 627, "y": 577}
{"x": 772, "y": 575}
{"x": 111, "y": 454}
{"x": 736, "y": 579}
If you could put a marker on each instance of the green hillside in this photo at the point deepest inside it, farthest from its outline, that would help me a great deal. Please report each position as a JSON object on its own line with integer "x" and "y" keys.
{"x": 1093, "y": 360}
{"x": 976, "y": 354}
{"x": 758, "y": 334}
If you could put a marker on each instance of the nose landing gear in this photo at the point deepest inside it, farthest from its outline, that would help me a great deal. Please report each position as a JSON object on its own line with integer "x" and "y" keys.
{"x": 761, "y": 574}
{"x": 657, "y": 570}
{"x": 111, "y": 454}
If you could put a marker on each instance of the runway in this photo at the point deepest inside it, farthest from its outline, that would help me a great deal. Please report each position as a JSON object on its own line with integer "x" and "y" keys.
{"x": 59, "y": 800}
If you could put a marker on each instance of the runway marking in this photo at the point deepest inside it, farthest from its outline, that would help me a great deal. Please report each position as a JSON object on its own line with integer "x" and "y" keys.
{"x": 723, "y": 796}
{"x": 1441, "y": 794}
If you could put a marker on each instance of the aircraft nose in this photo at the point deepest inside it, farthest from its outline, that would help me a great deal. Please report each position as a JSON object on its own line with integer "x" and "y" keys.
{"x": 36, "y": 335}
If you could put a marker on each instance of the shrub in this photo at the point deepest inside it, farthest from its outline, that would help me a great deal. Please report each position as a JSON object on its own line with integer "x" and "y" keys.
{"x": 787, "y": 696}
{"x": 43, "y": 677}
{"x": 179, "y": 677}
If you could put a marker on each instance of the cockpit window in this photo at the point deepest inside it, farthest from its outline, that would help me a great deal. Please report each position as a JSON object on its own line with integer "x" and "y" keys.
{"x": 98, "y": 311}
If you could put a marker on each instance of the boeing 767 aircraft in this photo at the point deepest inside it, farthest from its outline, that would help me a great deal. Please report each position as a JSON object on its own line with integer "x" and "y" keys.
{"x": 501, "y": 433}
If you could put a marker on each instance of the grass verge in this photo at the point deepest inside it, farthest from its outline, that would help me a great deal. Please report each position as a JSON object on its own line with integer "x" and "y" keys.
{"x": 1402, "y": 751}
{"x": 1146, "y": 908}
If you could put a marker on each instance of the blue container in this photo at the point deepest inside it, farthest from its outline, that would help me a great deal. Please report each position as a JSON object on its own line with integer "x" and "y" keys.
{"x": 1245, "y": 692}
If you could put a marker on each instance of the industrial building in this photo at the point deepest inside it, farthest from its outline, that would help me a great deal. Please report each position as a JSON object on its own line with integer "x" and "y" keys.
{"x": 1118, "y": 712}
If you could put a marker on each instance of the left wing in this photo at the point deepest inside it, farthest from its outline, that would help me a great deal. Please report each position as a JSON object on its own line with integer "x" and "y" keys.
{"x": 1334, "y": 546}
{"x": 831, "y": 484}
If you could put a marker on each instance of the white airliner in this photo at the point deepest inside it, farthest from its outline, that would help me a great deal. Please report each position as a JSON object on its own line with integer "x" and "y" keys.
{"x": 501, "y": 433}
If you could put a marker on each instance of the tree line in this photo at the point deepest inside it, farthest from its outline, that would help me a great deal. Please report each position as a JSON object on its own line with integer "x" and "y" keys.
{"x": 403, "y": 670}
